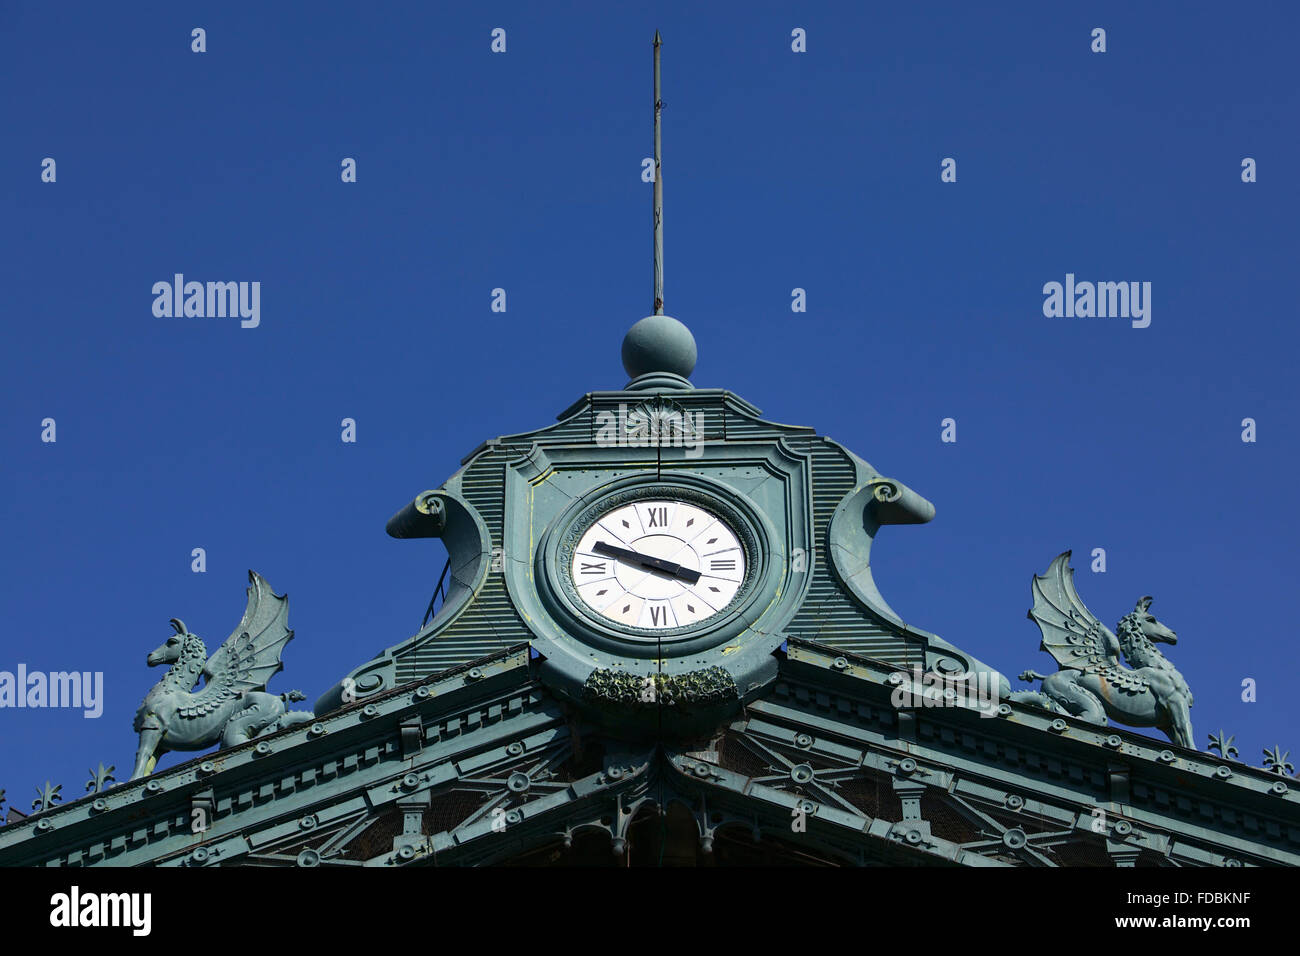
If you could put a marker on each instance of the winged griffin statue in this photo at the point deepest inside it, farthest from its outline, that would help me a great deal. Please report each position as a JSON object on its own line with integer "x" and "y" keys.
{"x": 232, "y": 706}
{"x": 1092, "y": 682}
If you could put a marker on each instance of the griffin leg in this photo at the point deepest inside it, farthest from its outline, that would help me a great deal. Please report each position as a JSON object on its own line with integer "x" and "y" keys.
{"x": 1180, "y": 729}
{"x": 144, "y": 755}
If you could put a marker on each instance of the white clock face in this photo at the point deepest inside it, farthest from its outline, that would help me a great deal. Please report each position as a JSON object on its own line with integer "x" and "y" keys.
{"x": 658, "y": 564}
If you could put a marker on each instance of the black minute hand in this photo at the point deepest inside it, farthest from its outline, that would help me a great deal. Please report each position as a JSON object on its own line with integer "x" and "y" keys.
{"x": 654, "y": 564}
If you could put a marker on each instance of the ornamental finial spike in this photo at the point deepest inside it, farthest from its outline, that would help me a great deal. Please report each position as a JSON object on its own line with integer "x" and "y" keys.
{"x": 658, "y": 212}
{"x": 659, "y": 351}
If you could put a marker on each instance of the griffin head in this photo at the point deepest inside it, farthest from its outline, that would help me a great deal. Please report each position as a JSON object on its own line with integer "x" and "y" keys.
{"x": 169, "y": 652}
{"x": 1152, "y": 629}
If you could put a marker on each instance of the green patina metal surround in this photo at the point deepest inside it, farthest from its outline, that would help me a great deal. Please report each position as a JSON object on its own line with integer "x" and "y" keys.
{"x": 551, "y": 495}
{"x": 555, "y": 556}
{"x": 806, "y": 508}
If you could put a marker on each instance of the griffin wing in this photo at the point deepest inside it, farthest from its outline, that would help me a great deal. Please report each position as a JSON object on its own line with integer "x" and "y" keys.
{"x": 1071, "y": 633}
{"x": 250, "y": 657}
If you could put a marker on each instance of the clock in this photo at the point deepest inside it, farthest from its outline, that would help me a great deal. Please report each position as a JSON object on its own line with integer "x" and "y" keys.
{"x": 666, "y": 562}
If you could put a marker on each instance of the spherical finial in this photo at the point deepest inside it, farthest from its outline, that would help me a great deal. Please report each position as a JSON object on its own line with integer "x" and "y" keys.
{"x": 659, "y": 344}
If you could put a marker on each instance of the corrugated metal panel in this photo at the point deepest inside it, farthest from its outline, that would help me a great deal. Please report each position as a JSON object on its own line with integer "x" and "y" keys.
{"x": 708, "y": 419}
{"x": 580, "y": 429}
{"x": 482, "y": 484}
{"x": 742, "y": 426}
{"x": 741, "y": 429}
{"x": 829, "y": 615}
{"x": 490, "y": 623}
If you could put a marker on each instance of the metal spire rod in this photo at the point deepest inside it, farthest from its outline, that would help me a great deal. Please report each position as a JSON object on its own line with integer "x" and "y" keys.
{"x": 658, "y": 194}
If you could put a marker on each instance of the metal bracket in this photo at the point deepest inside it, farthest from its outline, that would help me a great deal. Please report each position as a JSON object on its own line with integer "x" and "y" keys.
{"x": 412, "y": 729}
{"x": 1117, "y": 776}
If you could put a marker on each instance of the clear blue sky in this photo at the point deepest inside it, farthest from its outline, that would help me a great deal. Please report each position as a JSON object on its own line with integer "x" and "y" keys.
{"x": 522, "y": 171}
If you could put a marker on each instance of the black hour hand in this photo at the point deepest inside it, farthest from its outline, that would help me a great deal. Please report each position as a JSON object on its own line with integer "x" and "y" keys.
{"x": 645, "y": 561}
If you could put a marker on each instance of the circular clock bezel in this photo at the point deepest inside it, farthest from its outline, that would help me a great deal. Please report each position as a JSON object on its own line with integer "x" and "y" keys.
{"x": 557, "y": 548}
